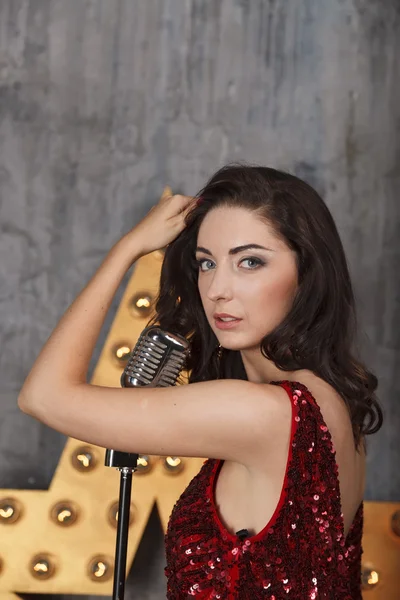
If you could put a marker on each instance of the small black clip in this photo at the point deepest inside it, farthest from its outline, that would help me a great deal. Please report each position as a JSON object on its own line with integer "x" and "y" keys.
{"x": 242, "y": 534}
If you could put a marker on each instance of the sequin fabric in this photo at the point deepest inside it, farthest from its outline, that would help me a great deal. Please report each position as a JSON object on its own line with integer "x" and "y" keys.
{"x": 300, "y": 554}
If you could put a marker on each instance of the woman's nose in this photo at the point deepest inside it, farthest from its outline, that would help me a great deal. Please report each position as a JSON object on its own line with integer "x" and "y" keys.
{"x": 220, "y": 286}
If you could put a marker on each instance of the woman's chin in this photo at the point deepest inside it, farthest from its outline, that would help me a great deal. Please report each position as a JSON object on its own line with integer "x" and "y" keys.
{"x": 239, "y": 346}
{"x": 249, "y": 346}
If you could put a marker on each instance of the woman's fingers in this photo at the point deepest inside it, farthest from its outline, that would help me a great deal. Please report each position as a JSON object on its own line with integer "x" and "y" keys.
{"x": 167, "y": 193}
{"x": 177, "y": 204}
{"x": 185, "y": 203}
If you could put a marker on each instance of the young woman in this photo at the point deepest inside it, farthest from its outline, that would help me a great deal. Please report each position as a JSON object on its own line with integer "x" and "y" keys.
{"x": 255, "y": 276}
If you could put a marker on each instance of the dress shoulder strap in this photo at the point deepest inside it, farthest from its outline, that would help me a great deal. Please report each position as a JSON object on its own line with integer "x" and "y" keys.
{"x": 313, "y": 472}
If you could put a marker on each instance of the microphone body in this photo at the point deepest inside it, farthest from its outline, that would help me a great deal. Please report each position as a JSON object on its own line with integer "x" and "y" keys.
{"x": 156, "y": 361}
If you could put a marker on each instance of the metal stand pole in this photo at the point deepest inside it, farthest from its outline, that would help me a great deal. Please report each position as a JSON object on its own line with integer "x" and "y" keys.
{"x": 126, "y": 464}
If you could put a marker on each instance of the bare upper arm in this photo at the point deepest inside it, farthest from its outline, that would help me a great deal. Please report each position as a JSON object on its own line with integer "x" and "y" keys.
{"x": 226, "y": 419}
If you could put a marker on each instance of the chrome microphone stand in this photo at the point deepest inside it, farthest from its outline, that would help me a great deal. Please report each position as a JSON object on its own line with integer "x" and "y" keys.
{"x": 156, "y": 360}
{"x": 127, "y": 464}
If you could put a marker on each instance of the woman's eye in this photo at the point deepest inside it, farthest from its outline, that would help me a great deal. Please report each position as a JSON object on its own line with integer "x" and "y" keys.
{"x": 204, "y": 264}
{"x": 254, "y": 262}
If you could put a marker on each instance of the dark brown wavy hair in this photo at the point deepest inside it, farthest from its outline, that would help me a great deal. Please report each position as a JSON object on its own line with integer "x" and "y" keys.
{"x": 319, "y": 332}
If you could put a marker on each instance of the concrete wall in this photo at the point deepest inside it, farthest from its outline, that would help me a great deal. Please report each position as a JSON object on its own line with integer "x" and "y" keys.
{"x": 103, "y": 102}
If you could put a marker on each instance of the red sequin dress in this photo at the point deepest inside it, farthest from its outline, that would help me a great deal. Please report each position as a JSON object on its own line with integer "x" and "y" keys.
{"x": 300, "y": 554}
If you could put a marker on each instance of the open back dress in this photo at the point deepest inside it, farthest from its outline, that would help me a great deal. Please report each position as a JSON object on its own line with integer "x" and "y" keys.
{"x": 301, "y": 553}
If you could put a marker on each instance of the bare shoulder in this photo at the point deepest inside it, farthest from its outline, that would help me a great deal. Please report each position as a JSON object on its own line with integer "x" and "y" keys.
{"x": 333, "y": 407}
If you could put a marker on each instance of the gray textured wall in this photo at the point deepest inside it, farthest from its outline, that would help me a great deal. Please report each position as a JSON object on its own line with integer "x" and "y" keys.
{"x": 103, "y": 102}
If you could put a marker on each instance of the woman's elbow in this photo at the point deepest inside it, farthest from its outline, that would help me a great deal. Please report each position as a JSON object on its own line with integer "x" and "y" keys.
{"x": 29, "y": 401}
{"x": 24, "y": 402}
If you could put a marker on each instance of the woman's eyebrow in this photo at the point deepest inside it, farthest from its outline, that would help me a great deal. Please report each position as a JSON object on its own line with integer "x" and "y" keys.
{"x": 237, "y": 249}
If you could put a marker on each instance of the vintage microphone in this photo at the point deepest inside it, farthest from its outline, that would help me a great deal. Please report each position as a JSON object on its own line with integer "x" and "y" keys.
{"x": 156, "y": 361}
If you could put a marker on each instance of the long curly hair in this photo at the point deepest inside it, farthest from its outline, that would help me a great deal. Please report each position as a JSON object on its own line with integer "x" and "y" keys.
{"x": 320, "y": 330}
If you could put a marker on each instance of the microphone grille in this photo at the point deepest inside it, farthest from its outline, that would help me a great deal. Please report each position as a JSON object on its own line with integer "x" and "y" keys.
{"x": 156, "y": 360}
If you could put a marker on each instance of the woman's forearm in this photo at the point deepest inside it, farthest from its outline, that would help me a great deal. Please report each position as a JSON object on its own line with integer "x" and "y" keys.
{"x": 64, "y": 360}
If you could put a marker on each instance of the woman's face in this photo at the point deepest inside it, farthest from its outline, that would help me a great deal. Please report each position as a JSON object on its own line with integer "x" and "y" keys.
{"x": 256, "y": 285}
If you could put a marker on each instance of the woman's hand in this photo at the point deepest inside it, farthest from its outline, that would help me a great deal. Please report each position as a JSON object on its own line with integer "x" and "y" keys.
{"x": 163, "y": 223}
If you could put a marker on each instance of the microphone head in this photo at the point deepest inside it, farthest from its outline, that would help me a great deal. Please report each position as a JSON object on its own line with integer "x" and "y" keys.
{"x": 156, "y": 360}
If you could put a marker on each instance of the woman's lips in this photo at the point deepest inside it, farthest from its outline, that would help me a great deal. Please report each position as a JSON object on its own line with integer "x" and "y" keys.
{"x": 226, "y": 324}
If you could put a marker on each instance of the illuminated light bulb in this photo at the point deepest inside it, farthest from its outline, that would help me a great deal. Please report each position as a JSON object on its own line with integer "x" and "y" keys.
{"x": 121, "y": 353}
{"x": 144, "y": 464}
{"x": 10, "y": 510}
{"x": 100, "y": 568}
{"x": 141, "y": 305}
{"x": 84, "y": 459}
{"x": 112, "y": 514}
{"x": 395, "y": 522}
{"x": 64, "y": 513}
{"x": 173, "y": 464}
{"x": 42, "y": 566}
{"x": 369, "y": 577}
